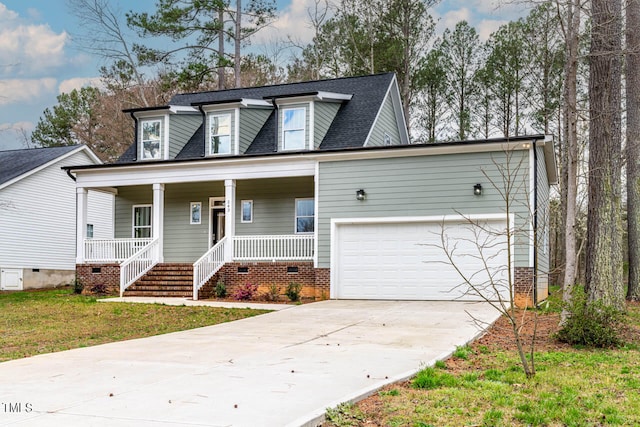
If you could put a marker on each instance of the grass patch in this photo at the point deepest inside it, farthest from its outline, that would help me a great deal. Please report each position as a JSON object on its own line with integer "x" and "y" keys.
{"x": 36, "y": 322}
{"x": 572, "y": 387}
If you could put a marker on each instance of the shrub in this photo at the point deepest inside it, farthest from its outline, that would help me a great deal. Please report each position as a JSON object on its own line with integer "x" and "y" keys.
{"x": 592, "y": 324}
{"x": 272, "y": 294}
{"x": 99, "y": 289}
{"x": 293, "y": 291}
{"x": 77, "y": 285}
{"x": 220, "y": 290}
{"x": 245, "y": 292}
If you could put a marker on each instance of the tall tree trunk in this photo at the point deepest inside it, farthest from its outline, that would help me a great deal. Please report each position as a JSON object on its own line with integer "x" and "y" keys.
{"x": 604, "y": 230}
{"x": 571, "y": 150}
{"x": 236, "y": 56}
{"x": 633, "y": 145}
{"x": 221, "y": 83}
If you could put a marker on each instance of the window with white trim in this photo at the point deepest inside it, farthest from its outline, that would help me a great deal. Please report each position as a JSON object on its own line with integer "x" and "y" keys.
{"x": 219, "y": 134}
{"x": 196, "y": 212}
{"x": 246, "y": 211}
{"x": 142, "y": 221}
{"x": 293, "y": 128}
{"x": 305, "y": 215}
{"x": 89, "y": 231}
{"x": 151, "y": 139}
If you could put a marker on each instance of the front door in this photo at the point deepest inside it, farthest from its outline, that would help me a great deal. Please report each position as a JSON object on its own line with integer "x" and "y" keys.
{"x": 11, "y": 279}
{"x": 217, "y": 219}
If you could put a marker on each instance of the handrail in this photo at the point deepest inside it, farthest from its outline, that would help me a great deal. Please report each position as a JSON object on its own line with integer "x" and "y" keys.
{"x": 138, "y": 264}
{"x": 288, "y": 247}
{"x": 208, "y": 265}
{"x": 112, "y": 250}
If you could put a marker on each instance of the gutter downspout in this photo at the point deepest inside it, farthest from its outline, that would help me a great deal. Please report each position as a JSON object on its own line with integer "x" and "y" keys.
{"x": 204, "y": 130}
{"x": 535, "y": 223}
{"x": 135, "y": 139}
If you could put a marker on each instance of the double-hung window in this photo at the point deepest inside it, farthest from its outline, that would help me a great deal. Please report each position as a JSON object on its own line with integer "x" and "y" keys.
{"x": 220, "y": 134}
{"x": 142, "y": 221}
{"x": 151, "y": 139}
{"x": 293, "y": 128}
{"x": 305, "y": 215}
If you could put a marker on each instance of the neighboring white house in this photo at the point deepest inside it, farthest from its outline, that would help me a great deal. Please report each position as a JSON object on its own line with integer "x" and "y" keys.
{"x": 38, "y": 216}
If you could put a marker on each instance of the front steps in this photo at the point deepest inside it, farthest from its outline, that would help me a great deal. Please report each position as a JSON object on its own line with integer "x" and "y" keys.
{"x": 164, "y": 280}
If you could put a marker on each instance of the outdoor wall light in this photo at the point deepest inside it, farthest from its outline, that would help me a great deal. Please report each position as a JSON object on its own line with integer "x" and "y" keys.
{"x": 361, "y": 195}
{"x": 477, "y": 189}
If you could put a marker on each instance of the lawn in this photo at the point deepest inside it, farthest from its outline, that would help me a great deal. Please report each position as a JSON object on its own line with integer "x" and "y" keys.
{"x": 484, "y": 385}
{"x": 36, "y": 322}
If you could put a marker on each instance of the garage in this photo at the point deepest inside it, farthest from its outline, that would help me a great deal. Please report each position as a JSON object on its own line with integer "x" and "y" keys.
{"x": 403, "y": 259}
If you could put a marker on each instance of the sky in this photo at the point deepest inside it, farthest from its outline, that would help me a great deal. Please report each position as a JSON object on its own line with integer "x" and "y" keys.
{"x": 39, "y": 59}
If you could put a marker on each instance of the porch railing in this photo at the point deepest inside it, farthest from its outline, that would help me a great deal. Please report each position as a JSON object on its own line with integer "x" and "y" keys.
{"x": 112, "y": 250}
{"x": 208, "y": 265}
{"x": 138, "y": 264}
{"x": 293, "y": 247}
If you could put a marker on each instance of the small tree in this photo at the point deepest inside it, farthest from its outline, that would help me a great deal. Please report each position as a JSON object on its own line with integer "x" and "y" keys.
{"x": 488, "y": 243}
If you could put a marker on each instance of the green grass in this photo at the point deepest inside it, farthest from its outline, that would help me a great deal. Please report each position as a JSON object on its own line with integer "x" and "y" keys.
{"x": 36, "y": 322}
{"x": 572, "y": 387}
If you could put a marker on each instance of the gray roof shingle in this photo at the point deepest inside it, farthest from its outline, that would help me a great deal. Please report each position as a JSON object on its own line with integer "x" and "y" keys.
{"x": 14, "y": 163}
{"x": 349, "y": 129}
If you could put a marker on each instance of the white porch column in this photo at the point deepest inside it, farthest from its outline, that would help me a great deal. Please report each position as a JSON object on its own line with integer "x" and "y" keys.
{"x": 157, "y": 224}
{"x": 81, "y": 222}
{"x": 230, "y": 216}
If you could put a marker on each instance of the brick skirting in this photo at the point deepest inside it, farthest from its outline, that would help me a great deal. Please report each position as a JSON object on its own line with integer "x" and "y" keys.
{"x": 314, "y": 281}
{"x": 523, "y": 287}
{"x": 95, "y": 276}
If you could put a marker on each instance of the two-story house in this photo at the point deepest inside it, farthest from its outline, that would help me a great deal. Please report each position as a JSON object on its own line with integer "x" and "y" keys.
{"x": 316, "y": 182}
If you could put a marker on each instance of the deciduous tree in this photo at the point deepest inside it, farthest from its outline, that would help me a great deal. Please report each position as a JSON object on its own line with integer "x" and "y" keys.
{"x": 632, "y": 12}
{"x": 604, "y": 234}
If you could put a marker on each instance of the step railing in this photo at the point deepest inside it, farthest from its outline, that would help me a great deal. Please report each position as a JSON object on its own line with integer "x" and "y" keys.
{"x": 138, "y": 264}
{"x": 208, "y": 265}
{"x": 112, "y": 250}
{"x": 288, "y": 247}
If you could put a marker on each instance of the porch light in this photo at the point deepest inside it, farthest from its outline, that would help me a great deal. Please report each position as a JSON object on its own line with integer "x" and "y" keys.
{"x": 361, "y": 195}
{"x": 477, "y": 189}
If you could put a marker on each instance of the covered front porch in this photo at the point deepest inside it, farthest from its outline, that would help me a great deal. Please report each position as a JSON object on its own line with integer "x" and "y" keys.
{"x": 203, "y": 224}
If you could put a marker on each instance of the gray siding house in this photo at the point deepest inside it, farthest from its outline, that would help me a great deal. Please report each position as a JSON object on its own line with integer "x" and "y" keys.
{"x": 316, "y": 183}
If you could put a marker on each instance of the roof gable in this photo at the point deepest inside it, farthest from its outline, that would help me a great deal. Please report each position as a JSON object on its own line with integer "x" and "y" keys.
{"x": 17, "y": 164}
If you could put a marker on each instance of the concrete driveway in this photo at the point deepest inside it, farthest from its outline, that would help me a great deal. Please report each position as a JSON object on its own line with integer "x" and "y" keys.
{"x": 280, "y": 369}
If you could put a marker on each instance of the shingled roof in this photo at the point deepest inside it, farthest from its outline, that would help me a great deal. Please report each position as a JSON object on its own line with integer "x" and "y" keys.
{"x": 349, "y": 129}
{"x": 14, "y": 163}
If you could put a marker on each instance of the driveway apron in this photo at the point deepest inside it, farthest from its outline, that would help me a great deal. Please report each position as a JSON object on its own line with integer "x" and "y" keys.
{"x": 279, "y": 369}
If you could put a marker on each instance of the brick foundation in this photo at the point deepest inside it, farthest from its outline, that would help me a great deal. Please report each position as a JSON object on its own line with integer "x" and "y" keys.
{"x": 523, "y": 287}
{"x": 315, "y": 282}
{"x": 94, "y": 275}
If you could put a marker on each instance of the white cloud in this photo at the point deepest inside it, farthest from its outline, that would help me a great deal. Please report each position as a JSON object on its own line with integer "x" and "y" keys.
{"x": 293, "y": 21}
{"x": 67, "y": 86}
{"x": 26, "y": 49}
{"x": 17, "y": 90}
{"x": 7, "y": 15}
{"x": 487, "y": 26}
{"x": 31, "y": 48}
{"x": 450, "y": 18}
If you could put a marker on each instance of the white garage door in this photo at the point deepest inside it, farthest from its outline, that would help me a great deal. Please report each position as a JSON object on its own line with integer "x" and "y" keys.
{"x": 405, "y": 260}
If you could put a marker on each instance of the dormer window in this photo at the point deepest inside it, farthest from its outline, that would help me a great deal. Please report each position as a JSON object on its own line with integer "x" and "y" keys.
{"x": 293, "y": 128}
{"x": 151, "y": 139}
{"x": 220, "y": 134}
